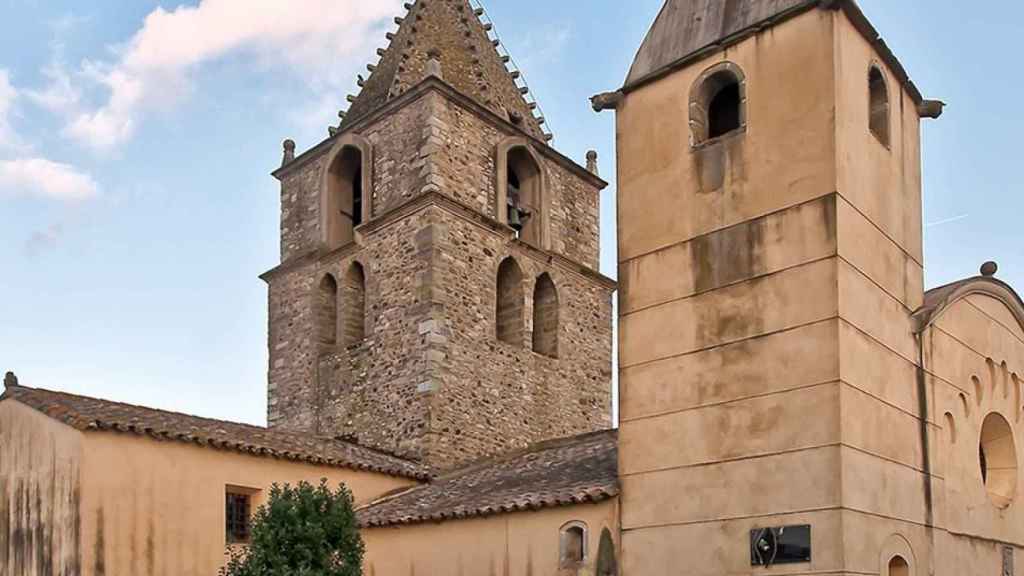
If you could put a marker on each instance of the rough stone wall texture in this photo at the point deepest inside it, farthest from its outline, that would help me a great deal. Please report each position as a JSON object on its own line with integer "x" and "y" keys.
{"x": 495, "y": 396}
{"x": 430, "y": 380}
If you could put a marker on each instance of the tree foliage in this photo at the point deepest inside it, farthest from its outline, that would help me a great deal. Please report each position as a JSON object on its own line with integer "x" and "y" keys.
{"x": 302, "y": 531}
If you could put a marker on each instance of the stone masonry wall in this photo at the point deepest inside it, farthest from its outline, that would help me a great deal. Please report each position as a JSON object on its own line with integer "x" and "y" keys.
{"x": 496, "y": 396}
{"x": 430, "y": 379}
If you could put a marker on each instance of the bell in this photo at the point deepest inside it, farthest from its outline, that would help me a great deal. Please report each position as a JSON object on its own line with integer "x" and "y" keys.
{"x": 515, "y": 219}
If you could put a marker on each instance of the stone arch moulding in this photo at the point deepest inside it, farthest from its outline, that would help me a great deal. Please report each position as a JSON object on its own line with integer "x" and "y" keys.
{"x": 704, "y": 89}
{"x": 897, "y": 546}
{"x": 365, "y": 148}
{"x": 505, "y": 147}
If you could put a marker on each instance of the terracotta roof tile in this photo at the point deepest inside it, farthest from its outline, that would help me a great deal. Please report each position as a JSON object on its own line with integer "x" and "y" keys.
{"x": 87, "y": 414}
{"x": 557, "y": 473}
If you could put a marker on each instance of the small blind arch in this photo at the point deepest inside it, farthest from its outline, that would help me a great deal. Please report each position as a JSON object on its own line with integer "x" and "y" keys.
{"x": 545, "y": 317}
{"x": 326, "y": 311}
{"x": 355, "y": 305}
{"x": 509, "y": 309}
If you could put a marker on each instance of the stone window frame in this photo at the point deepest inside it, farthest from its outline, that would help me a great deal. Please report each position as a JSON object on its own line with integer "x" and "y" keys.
{"x": 884, "y": 138}
{"x": 704, "y": 89}
{"x": 564, "y": 562}
{"x": 504, "y": 148}
{"x": 365, "y": 148}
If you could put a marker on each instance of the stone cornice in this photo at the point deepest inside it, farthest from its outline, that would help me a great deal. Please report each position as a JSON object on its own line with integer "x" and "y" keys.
{"x": 435, "y": 85}
{"x": 452, "y": 206}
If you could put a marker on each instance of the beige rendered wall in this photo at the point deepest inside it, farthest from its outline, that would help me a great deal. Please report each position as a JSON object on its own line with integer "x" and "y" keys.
{"x": 524, "y": 543}
{"x": 154, "y": 508}
{"x": 974, "y": 353}
{"x": 39, "y": 494}
{"x": 886, "y": 412}
{"x": 729, "y": 304}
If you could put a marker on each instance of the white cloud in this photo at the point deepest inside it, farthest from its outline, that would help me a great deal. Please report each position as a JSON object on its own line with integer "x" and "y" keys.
{"x": 8, "y": 138}
{"x": 44, "y": 178}
{"x": 154, "y": 68}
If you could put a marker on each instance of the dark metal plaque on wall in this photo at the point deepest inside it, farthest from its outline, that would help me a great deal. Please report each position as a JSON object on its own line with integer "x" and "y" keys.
{"x": 780, "y": 545}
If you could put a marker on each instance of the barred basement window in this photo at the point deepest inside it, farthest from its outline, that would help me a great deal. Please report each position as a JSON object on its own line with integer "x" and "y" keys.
{"x": 237, "y": 517}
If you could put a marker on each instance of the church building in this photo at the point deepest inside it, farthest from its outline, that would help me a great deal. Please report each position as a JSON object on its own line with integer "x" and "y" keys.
{"x": 791, "y": 399}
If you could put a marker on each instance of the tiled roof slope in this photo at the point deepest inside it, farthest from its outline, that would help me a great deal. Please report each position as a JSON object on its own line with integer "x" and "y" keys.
{"x": 556, "y": 473}
{"x": 450, "y": 31}
{"x": 87, "y": 414}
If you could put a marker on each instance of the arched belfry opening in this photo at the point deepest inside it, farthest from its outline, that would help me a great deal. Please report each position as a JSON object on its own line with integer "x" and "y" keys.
{"x": 545, "y": 317}
{"x": 509, "y": 310}
{"x": 326, "y": 311}
{"x": 354, "y": 326}
{"x": 523, "y": 183}
{"x": 879, "y": 105}
{"x": 346, "y": 196}
{"x": 718, "y": 103}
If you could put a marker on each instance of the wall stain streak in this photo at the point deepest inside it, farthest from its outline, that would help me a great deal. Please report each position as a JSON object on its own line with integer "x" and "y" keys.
{"x": 100, "y": 566}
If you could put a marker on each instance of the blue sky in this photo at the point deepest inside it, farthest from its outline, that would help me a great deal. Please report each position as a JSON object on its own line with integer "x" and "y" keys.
{"x": 137, "y": 138}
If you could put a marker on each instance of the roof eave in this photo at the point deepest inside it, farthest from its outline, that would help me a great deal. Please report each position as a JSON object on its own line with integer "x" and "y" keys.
{"x": 849, "y": 7}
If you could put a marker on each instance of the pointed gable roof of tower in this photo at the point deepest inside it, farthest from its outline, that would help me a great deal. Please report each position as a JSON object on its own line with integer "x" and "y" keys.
{"x": 451, "y": 32}
{"x": 684, "y": 27}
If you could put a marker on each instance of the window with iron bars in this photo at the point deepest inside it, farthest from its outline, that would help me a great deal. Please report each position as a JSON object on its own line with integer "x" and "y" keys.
{"x": 237, "y": 515}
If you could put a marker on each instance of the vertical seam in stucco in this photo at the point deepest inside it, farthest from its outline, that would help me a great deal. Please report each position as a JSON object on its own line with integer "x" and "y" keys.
{"x": 922, "y": 387}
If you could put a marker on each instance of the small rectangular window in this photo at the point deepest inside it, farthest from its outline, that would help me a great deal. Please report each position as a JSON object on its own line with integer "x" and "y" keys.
{"x": 237, "y": 516}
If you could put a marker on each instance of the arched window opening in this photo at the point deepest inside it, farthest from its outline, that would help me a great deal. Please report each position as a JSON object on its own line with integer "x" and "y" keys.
{"x": 997, "y": 457}
{"x": 879, "y": 97}
{"x": 718, "y": 103}
{"x": 326, "y": 310}
{"x": 509, "y": 314}
{"x": 898, "y": 567}
{"x": 355, "y": 305}
{"x": 524, "y": 196}
{"x": 724, "y": 110}
{"x": 573, "y": 545}
{"x": 545, "y": 317}
{"x": 345, "y": 197}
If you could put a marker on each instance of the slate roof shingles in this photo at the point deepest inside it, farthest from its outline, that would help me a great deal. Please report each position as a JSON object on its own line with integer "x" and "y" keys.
{"x": 85, "y": 414}
{"x": 561, "y": 472}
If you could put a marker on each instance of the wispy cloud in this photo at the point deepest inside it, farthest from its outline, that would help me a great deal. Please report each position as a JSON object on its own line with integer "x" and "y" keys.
{"x": 9, "y": 140}
{"x": 156, "y": 66}
{"x": 44, "y": 240}
{"x": 42, "y": 178}
{"x": 947, "y": 221}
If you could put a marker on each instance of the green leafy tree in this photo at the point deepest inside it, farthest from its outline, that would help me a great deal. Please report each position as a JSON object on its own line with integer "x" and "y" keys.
{"x": 302, "y": 531}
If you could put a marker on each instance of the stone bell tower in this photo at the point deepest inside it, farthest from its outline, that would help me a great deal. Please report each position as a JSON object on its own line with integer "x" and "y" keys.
{"x": 770, "y": 253}
{"x": 438, "y": 293}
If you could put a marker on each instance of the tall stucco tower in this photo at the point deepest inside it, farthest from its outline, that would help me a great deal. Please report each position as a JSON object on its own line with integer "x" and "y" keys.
{"x": 438, "y": 293}
{"x": 770, "y": 252}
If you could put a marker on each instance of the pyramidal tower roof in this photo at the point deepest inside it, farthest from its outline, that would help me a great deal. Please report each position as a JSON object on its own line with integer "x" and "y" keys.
{"x": 451, "y": 33}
